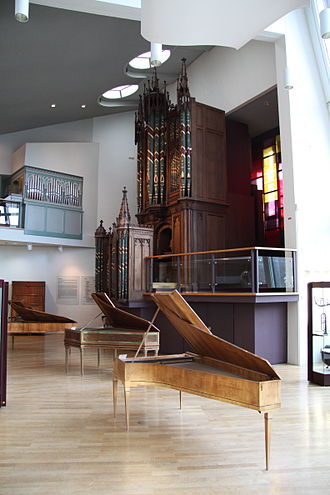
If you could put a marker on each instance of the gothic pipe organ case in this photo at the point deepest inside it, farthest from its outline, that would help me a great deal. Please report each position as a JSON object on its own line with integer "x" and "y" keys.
{"x": 120, "y": 269}
{"x": 182, "y": 184}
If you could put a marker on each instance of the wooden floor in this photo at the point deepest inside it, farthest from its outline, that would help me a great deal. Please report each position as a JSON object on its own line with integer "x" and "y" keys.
{"x": 58, "y": 436}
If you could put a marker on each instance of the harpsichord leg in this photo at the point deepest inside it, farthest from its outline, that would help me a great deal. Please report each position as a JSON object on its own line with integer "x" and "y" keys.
{"x": 180, "y": 398}
{"x": 81, "y": 361}
{"x": 268, "y": 431}
{"x": 114, "y": 395}
{"x": 66, "y": 358}
{"x": 127, "y": 392}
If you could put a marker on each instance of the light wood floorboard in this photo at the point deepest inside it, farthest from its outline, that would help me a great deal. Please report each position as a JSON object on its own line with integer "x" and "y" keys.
{"x": 58, "y": 436}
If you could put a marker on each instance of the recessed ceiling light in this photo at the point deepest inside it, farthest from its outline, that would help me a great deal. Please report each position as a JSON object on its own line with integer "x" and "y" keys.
{"x": 143, "y": 61}
{"x": 52, "y": 105}
{"x": 83, "y": 106}
{"x": 120, "y": 91}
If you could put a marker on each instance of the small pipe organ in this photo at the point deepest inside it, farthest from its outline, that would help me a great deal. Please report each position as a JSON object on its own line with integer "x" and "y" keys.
{"x": 120, "y": 257}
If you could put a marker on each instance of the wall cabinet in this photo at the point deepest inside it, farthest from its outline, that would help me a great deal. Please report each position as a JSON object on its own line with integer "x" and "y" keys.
{"x": 29, "y": 293}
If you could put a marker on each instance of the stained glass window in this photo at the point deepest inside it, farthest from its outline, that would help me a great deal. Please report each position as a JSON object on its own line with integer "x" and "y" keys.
{"x": 267, "y": 177}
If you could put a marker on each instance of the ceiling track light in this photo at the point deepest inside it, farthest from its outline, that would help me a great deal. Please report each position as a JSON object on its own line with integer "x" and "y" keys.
{"x": 22, "y": 10}
{"x": 156, "y": 55}
{"x": 325, "y": 23}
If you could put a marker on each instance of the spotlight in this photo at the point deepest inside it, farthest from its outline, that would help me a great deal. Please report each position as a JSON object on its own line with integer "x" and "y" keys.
{"x": 22, "y": 10}
{"x": 60, "y": 248}
{"x": 29, "y": 247}
{"x": 287, "y": 79}
{"x": 156, "y": 55}
{"x": 325, "y": 23}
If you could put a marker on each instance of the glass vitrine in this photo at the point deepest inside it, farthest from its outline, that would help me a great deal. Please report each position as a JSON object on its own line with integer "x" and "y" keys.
{"x": 319, "y": 332}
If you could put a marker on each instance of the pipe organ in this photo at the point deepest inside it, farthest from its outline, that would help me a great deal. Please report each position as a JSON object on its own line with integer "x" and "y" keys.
{"x": 181, "y": 169}
{"x": 120, "y": 257}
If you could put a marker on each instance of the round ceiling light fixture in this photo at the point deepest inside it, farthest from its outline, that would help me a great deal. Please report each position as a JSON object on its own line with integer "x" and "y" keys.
{"x": 120, "y": 91}
{"x": 142, "y": 61}
{"x": 115, "y": 97}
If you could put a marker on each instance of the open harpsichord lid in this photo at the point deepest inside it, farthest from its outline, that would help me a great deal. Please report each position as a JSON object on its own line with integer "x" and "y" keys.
{"x": 34, "y": 315}
{"x": 117, "y": 317}
{"x": 199, "y": 337}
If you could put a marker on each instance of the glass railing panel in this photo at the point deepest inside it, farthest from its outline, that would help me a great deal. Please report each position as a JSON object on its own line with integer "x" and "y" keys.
{"x": 165, "y": 274}
{"x": 196, "y": 273}
{"x": 276, "y": 272}
{"x": 233, "y": 273}
{"x": 250, "y": 270}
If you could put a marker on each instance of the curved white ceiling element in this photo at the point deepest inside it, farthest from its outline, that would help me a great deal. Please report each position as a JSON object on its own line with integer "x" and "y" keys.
{"x": 210, "y": 22}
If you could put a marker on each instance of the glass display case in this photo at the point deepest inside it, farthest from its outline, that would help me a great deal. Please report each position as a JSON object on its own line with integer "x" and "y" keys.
{"x": 251, "y": 270}
{"x": 319, "y": 332}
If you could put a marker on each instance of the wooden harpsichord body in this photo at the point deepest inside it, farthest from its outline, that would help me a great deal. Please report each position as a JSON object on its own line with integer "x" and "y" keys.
{"x": 32, "y": 321}
{"x": 114, "y": 338}
{"x": 217, "y": 369}
{"x": 126, "y": 332}
{"x": 201, "y": 376}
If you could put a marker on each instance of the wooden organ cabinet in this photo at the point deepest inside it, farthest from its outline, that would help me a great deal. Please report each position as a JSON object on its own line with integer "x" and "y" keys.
{"x": 182, "y": 184}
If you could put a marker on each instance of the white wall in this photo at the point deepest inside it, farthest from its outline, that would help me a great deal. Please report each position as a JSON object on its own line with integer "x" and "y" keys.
{"x": 226, "y": 78}
{"x": 117, "y": 165}
{"x": 46, "y": 264}
{"x": 79, "y": 131}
